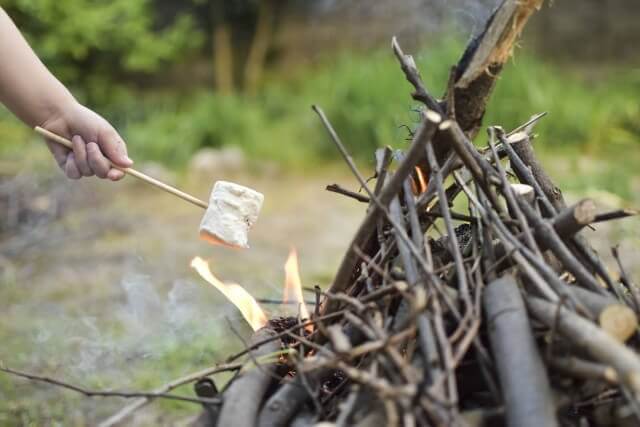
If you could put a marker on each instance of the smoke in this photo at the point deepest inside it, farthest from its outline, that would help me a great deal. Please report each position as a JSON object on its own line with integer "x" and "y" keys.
{"x": 145, "y": 327}
{"x": 415, "y": 18}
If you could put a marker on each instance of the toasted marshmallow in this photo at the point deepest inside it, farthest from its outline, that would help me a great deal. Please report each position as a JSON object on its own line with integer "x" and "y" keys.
{"x": 233, "y": 210}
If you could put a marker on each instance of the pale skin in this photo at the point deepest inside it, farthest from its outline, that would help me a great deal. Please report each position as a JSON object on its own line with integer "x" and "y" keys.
{"x": 37, "y": 98}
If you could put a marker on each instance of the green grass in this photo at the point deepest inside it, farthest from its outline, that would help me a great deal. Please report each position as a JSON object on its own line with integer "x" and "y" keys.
{"x": 367, "y": 99}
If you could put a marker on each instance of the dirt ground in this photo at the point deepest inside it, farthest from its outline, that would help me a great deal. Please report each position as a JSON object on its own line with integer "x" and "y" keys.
{"x": 104, "y": 297}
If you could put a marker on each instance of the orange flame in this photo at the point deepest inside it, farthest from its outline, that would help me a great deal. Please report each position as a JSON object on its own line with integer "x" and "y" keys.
{"x": 247, "y": 305}
{"x": 293, "y": 284}
{"x": 422, "y": 180}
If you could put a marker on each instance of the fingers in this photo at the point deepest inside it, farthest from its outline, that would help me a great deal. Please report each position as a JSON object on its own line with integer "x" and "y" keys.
{"x": 115, "y": 175}
{"x": 59, "y": 152}
{"x": 97, "y": 162}
{"x": 80, "y": 155}
{"x": 114, "y": 148}
{"x": 71, "y": 168}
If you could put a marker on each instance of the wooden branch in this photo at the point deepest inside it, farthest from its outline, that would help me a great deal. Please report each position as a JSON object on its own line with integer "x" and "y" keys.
{"x": 588, "y": 337}
{"x": 584, "y": 369}
{"x": 412, "y": 75}
{"x": 525, "y": 387}
{"x": 285, "y": 402}
{"x": 365, "y": 236}
{"x": 617, "y": 319}
{"x": 546, "y": 233}
{"x": 524, "y": 150}
{"x": 108, "y": 393}
{"x": 571, "y": 220}
{"x": 243, "y": 398}
{"x": 617, "y": 214}
{"x": 128, "y": 410}
{"x": 335, "y": 188}
{"x": 484, "y": 58}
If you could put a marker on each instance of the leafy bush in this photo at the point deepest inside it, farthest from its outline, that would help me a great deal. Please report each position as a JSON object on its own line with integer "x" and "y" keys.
{"x": 367, "y": 100}
{"x": 96, "y": 44}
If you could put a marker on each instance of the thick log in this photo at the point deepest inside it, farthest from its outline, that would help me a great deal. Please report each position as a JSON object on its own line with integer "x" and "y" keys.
{"x": 571, "y": 220}
{"x": 244, "y": 396}
{"x": 590, "y": 338}
{"x": 478, "y": 69}
{"x": 584, "y": 370}
{"x": 523, "y": 378}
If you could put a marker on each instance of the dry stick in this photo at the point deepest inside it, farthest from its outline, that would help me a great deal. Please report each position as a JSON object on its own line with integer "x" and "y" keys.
{"x": 281, "y": 407}
{"x": 383, "y": 160}
{"x": 509, "y": 194}
{"x": 365, "y": 233}
{"x": 412, "y": 74}
{"x": 243, "y": 397}
{"x": 525, "y": 386}
{"x": 463, "y": 286}
{"x": 524, "y": 174}
{"x": 584, "y": 369}
{"x": 110, "y": 393}
{"x": 481, "y": 170}
{"x": 528, "y": 125}
{"x": 410, "y": 268}
{"x": 525, "y": 152}
{"x": 125, "y": 412}
{"x": 566, "y": 224}
{"x": 512, "y": 246}
{"x": 617, "y": 214}
{"x": 527, "y": 175}
{"x": 446, "y": 354}
{"x": 430, "y": 117}
{"x": 547, "y": 234}
{"x": 624, "y": 277}
{"x": 335, "y": 188}
{"x": 571, "y": 220}
{"x": 414, "y": 219}
{"x": 588, "y": 337}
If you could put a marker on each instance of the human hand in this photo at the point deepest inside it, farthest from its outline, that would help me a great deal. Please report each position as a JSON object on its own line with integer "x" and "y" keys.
{"x": 96, "y": 144}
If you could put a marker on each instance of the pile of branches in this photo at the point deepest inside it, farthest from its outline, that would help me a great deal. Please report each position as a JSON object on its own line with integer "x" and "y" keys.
{"x": 468, "y": 295}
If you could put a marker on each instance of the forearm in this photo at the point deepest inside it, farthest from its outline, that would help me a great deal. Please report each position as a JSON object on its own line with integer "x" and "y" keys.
{"x": 27, "y": 88}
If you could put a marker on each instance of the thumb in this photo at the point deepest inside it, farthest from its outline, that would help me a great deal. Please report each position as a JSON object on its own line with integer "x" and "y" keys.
{"x": 114, "y": 148}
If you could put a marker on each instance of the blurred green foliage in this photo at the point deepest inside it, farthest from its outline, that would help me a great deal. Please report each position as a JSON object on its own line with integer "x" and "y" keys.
{"x": 114, "y": 54}
{"x": 368, "y": 102}
{"x": 97, "y": 46}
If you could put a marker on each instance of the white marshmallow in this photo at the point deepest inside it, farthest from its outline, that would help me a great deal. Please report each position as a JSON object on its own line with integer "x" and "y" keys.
{"x": 232, "y": 211}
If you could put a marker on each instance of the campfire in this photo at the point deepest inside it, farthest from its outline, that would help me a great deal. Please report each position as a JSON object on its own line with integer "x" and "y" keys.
{"x": 468, "y": 296}
{"x": 497, "y": 313}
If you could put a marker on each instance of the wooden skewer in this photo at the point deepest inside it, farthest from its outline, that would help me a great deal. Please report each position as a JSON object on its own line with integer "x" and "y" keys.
{"x": 130, "y": 171}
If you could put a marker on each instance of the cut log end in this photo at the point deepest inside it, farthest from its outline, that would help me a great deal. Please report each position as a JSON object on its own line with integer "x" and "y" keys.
{"x": 585, "y": 212}
{"x": 619, "y": 321}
